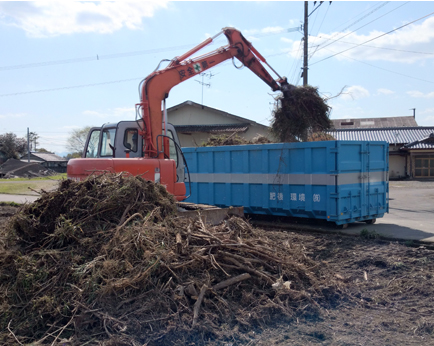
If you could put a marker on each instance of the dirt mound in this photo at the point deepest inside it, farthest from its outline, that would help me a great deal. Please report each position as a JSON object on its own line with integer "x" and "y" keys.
{"x": 106, "y": 261}
{"x": 13, "y": 168}
{"x": 299, "y": 113}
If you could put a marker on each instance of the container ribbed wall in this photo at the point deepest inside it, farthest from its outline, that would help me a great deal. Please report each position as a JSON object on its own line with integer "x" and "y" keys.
{"x": 340, "y": 181}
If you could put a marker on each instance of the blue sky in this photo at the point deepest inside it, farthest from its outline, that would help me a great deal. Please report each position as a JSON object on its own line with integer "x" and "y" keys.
{"x": 69, "y": 64}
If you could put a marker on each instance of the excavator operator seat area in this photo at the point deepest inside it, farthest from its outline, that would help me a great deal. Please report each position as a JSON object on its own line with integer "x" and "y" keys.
{"x": 130, "y": 139}
{"x": 108, "y": 142}
{"x": 92, "y": 143}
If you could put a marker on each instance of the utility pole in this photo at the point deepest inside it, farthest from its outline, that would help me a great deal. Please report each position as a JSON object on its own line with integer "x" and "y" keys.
{"x": 208, "y": 85}
{"x": 305, "y": 68}
{"x": 28, "y": 145}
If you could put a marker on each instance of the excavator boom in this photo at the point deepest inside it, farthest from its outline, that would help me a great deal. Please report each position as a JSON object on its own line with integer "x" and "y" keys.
{"x": 157, "y": 85}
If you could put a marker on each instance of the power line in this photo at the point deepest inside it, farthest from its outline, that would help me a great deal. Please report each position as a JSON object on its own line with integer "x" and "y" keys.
{"x": 71, "y": 87}
{"x": 92, "y": 58}
{"x": 322, "y": 22}
{"x": 377, "y": 37}
{"x": 334, "y": 41}
{"x": 384, "y": 69}
{"x": 394, "y": 49}
{"x": 360, "y": 19}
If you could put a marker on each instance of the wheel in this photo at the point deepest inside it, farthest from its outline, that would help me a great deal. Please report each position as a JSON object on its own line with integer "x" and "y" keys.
{"x": 371, "y": 222}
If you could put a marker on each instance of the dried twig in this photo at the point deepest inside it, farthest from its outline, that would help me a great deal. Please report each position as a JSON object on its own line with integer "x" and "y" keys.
{"x": 198, "y": 303}
{"x": 231, "y": 281}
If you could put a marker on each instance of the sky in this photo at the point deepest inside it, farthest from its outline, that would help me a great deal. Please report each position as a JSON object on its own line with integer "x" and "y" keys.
{"x": 65, "y": 65}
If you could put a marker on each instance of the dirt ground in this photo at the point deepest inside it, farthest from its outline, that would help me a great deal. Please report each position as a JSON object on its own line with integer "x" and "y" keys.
{"x": 387, "y": 292}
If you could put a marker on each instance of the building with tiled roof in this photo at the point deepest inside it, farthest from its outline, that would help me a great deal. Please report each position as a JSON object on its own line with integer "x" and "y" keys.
{"x": 408, "y": 121}
{"x": 48, "y": 160}
{"x": 411, "y": 148}
{"x": 195, "y": 123}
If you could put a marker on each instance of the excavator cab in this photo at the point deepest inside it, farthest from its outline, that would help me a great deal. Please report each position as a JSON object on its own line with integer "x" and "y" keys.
{"x": 122, "y": 140}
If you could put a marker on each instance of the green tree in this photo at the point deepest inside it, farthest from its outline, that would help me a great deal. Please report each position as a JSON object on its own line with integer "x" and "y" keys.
{"x": 77, "y": 139}
{"x": 43, "y": 150}
{"x": 11, "y": 146}
{"x": 73, "y": 156}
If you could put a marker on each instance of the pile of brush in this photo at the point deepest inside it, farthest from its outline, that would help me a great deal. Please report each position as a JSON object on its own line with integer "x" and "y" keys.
{"x": 300, "y": 112}
{"x": 234, "y": 139}
{"x": 107, "y": 261}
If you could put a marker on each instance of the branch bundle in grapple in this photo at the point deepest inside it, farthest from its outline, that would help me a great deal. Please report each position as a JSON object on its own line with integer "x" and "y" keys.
{"x": 299, "y": 113}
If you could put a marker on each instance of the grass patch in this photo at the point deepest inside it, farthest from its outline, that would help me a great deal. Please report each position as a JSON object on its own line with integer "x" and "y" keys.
{"x": 27, "y": 187}
{"x": 59, "y": 176}
{"x": 366, "y": 234}
{"x": 11, "y": 204}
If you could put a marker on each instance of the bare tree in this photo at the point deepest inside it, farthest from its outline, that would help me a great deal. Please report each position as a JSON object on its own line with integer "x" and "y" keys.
{"x": 12, "y": 146}
{"x": 77, "y": 140}
{"x": 33, "y": 139}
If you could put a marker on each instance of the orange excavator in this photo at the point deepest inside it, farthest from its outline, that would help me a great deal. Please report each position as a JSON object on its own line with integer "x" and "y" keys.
{"x": 149, "y": 145}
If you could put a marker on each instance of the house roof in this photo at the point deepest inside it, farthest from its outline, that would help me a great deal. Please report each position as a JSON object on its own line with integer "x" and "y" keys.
{"x": 229, "y": 115}
{"x": 392, "y": 135}
{"x": 408, "y": 121}
{"x": 241, "y": 127}
{"x": 47, "y": 157}
{"x": 424, "y": 143}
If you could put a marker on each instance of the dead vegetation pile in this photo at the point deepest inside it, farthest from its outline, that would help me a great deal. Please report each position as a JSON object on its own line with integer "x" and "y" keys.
{"x": 234, "y": 139}
{"x": 299, "y": 113}
{"x": 107, "y": 262}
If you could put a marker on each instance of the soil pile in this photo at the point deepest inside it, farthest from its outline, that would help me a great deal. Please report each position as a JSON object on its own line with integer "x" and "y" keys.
{"x": 13, "y": 168}
{"x": 299, "y": 113}
{"x": 106, "y": 261}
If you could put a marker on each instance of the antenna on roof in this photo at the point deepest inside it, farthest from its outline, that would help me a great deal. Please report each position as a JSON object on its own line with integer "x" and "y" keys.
{"x": 414, "y": 112}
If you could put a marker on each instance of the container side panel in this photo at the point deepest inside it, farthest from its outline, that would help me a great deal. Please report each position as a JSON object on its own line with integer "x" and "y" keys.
{"x": 236, "y": 162}
{"x": 219, "y": 162}
{"x": 319, "y": 160}
{"x": 255, "y": 161}
{"x": 340, "y": 181}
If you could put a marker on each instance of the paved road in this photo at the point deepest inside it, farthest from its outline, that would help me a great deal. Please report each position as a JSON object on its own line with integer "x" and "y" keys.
{"x": 410, "y": 217}
{"x": 18, "y": 198}
{"x": 411, "y": 212}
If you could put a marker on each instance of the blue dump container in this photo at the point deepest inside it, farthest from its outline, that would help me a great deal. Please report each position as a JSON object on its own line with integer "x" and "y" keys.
{"x": 338, "y": 181}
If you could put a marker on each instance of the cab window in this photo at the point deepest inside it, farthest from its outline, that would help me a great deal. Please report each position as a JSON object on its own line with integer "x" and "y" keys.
{"x": 92, "y": 145}
{"x": 108, "y": 142}
{"x": 172, "y": 148}
{"x": 131, "y": 139}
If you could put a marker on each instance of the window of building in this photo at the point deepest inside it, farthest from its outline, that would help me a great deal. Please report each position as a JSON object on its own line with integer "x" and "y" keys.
{"x": 424, "y": 167}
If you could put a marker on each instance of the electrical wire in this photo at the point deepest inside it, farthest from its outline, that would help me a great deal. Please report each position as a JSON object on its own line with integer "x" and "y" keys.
{"x": 322, "y": 22}
{"x": 70, "y": 87}
{"x": 334, "y": 41}
{"x": 375, "y": 38}
{"x": 394, "y": 49}
{"x": 385, "y": 69}
{"x": 92, "y": 58}
{"x": 360, "y": 19}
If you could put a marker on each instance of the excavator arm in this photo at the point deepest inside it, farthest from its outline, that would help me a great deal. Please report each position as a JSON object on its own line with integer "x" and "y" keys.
{"x": 155, "y": 88}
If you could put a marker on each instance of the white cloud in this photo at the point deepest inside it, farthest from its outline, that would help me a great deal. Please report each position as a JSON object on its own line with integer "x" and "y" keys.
{"x": 120, "y": 113}
{"x": 385, "y": 91}
{"x": 53, "y": 18}
{"x": 419, "y": 94}
{"x": 399, "y": 46}
{"x": 355, "y": 92}
{"x": 11, "y": 115}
